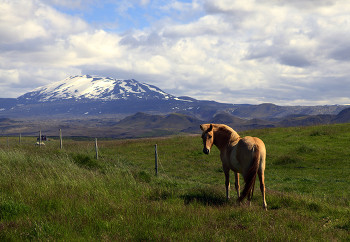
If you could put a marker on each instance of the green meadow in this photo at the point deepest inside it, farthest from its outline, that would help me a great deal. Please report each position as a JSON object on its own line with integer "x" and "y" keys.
{"x": 51, "y": 194}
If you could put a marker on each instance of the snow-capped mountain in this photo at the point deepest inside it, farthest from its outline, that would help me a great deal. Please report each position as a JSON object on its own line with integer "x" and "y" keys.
{"x": 95, "y": 87}
{"x": 95, "y": 95}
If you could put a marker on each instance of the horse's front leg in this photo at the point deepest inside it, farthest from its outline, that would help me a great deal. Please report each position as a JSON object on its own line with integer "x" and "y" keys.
{"x": 227, "y": 182}
{"x": 237, "y": 183}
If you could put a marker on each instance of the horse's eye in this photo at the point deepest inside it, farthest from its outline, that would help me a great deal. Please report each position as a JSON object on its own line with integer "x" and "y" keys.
{"x": 209, "y": 136}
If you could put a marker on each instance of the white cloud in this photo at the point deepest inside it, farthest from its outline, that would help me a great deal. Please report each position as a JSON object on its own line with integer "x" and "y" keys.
{"x": 72, "y": 4}
{"x": 144, "y": 2}
{"x": 10, "y": 75}
{"x": 286, "y": 52}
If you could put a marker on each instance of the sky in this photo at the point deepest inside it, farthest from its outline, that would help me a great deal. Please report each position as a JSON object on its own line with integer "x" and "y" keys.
{"x": 233, "y": 51}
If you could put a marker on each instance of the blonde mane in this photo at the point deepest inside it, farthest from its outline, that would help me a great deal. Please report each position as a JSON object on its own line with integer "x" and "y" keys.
{"x": 227, "y": 135}
{"x": 226, "y": 129}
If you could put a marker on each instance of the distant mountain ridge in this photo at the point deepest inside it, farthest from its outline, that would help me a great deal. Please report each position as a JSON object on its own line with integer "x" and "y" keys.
{"x": 150, "y": 125}
{"x": 90, "y": 96}
{"x": 142, "y": 123}
{"x": 271, "y": 111}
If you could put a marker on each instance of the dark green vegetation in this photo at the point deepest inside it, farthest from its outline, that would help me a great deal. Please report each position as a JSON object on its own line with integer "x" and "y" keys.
{"x": 52, "y": 194}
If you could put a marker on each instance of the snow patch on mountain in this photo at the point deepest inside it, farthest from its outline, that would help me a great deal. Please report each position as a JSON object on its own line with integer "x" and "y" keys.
{"x": 95, "y": 87}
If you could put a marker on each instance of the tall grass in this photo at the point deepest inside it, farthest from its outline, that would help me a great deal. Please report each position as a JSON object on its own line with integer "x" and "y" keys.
{"x": 52, "y": 194}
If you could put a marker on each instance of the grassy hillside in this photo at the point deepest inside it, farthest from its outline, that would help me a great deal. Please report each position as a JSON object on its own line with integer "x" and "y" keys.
{"x": 52, "y": 194}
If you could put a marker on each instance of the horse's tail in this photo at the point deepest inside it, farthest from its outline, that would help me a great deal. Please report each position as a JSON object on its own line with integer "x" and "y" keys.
{"x": 250, "y": 177}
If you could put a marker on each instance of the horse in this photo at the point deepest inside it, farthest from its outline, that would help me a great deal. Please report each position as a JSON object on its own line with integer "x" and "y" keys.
{"x": 246, "y": 156}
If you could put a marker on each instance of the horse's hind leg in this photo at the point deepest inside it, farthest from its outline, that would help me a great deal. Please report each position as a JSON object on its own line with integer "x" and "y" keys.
{"x": 227, "y": 182}
{"x": 262, "y": 186}
{"x": 250, "y": 195}
{"x": 237, "y": 183}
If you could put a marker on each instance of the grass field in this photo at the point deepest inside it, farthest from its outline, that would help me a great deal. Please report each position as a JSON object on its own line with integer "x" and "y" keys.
{"x": 52, "y": 194}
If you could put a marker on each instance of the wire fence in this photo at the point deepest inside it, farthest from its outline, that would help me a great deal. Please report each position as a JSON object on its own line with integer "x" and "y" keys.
{"x": 39, "y": 139}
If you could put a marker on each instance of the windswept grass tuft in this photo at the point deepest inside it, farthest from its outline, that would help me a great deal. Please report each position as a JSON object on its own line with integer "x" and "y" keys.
{"x": 9, "y": 209}
{"x": 143, "y": 176}
{"x": 288, "y": 159}
{"x": 305, "y": 149}
{"x": 85, "y": 161}
{"x": 159, "y": 193}
{"x": 344, "y": 226}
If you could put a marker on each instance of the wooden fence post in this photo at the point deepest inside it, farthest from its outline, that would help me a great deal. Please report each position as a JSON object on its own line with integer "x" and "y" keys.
{"x": 8, "y": 144}
{"x": 40, "y": 139}
{"x": 96, "y": 148}
{"x": 20, "y": 137}
{"x": 61, "y": 144}
{"x": 156, "y": 159}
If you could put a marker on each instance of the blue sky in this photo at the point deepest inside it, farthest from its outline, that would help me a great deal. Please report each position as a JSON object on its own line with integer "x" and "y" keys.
{"x": 109, "y": 17}
{"x": 121, "y": 16}
{"x": 235, "y": 51}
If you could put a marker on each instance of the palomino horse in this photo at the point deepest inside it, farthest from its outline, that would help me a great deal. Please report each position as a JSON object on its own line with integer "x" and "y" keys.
{"x": 242, "y": 155}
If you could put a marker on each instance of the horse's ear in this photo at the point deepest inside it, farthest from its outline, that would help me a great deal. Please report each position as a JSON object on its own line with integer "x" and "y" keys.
{"x": 204, "y": 127}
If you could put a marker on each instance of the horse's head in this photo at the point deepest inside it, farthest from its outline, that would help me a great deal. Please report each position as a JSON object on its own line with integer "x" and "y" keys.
{"x": 207, "y": 137}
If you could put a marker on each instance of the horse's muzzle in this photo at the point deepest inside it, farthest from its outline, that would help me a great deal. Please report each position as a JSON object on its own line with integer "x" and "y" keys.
{"x": 206, "y": 151}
